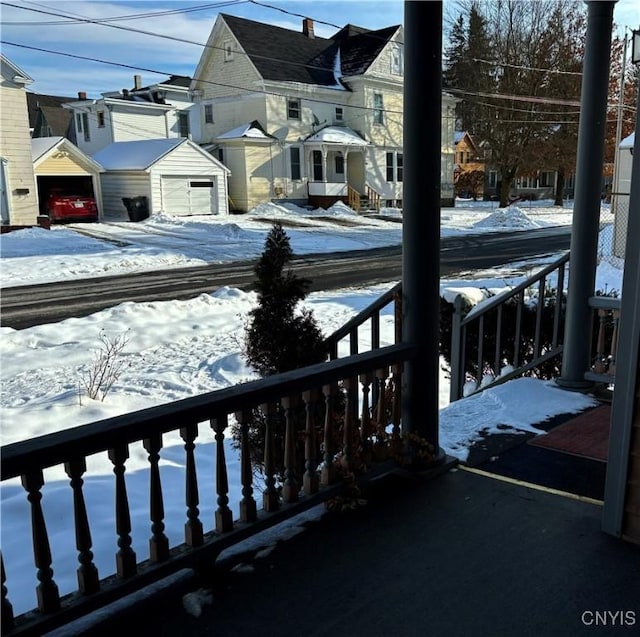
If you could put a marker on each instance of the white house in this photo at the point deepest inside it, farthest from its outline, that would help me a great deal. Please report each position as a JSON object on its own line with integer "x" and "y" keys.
{"x": 18, "y": 194}
{"x": 162, "y": 110}
{"x": 620, "y": 197}
{"x": 175, "y": 175}
{"x": 308, "y": 119}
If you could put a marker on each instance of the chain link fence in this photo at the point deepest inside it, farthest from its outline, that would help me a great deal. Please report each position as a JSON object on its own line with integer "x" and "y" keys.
{"x": 613, "y": 227}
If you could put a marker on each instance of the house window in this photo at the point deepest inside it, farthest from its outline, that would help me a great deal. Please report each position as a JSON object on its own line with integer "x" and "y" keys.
{"x": 493, "y": 179}
{"x": 317, "y": 165}
{"x": 397, "y": 61}
{"x": 339, "y": 114}
{"x": 85, "y": 126}
{"x": 228, "y": 51}
{"x": 293, "y": 108}
{"x": 395, "y": 163}
{"x": 100, "y": 116}
{"x": 547, "y": 179}
{"x": 294, "y": 159}
{"x": 339, "y": 165}
{"x": 183, "y": 124}
{"x": 79, "y": 122}
{"x": 220, "y": 154}
{"x": 377, "y": 108}
{"x": 208, "y": 113}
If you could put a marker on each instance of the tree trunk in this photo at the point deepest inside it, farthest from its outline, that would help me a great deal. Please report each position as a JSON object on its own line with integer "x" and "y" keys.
{"x": 559, "y": 187}
{"x": 505, "y": 189}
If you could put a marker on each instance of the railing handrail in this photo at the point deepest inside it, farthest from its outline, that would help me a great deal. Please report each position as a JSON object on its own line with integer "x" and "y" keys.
{"x": 364, "y": 315}
{"x": 605, "y": 302}
{"x": 502, "y": 297}
{"x": 52, "y": 449}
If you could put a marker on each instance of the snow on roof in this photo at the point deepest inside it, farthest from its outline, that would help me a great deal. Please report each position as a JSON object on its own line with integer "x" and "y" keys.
{"x": 136, "y": 155}
{"x": 41, "y": 145}
{"x": 337, "y": 135}
{"x": 628, "y": 142}
{"x": 252, "y": 129}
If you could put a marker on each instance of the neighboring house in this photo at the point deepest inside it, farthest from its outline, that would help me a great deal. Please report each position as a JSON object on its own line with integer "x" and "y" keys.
{"x": 48, "y": 118}
{"x": 307, "y": 119}
{"x": 620, "y": 196}
{"x": 469, "y": 158}
{"x": 158, "y": 111}
{"x": 176, "y": 176}
{"x": 18, "y": 195}
{"x": 59, "y": 164}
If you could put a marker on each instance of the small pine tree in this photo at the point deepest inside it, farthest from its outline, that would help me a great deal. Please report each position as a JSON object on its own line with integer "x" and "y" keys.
{"x": 277, "y": 338}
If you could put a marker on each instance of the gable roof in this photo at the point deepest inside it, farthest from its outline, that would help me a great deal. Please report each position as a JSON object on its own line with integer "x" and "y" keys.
{"x": 42, "y": 147}
{"x": 253, "y": 130}
{"x": 337, "y": 135}
{"x": 36, "y": 101}
{"x": 12, "y": 72}
{"x": 284, "y": 55}
{"x": 142, "y": 154}
{"x": 360, "y": 47}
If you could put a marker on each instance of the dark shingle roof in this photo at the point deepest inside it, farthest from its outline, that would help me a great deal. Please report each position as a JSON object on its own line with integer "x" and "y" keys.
{"x": 35, "y": 101}
{"x": 285, "y": 55}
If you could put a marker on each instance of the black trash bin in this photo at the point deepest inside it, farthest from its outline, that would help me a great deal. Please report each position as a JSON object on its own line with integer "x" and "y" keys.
{"x": 137, "y": 207}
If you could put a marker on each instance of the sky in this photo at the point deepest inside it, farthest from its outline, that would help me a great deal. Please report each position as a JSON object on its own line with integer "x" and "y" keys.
{"x": 178, "y": 349}
{"x": 55, "y": 27}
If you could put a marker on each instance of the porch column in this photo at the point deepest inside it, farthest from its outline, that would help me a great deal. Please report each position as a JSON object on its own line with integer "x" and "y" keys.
{"x": 421, "y": 217}
{"x": 586, "y": 207}
{"x": 625, "y": 397}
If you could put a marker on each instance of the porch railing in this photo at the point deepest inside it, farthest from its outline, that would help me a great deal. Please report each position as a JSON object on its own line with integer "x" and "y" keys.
{"x": 307, "y": 457}
{"x": 486, "y": 352}
{"x": 606, "y": 320}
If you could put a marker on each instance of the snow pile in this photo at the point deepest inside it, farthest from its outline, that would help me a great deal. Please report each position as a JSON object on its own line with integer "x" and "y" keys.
{"x": 269, "y": 209}
{"x": 340, "y": 208}
{"x": 510, "y": 217}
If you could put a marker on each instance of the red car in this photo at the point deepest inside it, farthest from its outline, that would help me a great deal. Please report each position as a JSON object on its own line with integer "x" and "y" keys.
{"x": 63, "y": 207}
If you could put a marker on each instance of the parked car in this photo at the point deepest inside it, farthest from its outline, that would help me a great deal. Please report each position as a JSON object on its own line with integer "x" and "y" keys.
{"x": 63, "y": 206}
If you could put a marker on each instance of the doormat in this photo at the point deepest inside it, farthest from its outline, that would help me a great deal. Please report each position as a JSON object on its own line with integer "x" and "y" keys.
{"x": 586, "y": 435}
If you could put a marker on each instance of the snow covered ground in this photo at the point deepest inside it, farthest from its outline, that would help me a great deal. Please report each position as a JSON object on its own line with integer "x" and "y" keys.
{"x": 178, "y": 349}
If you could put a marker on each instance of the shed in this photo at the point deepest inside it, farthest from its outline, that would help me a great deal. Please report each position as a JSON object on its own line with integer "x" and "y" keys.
{"x": 59, "y": 163}
{"x": 175, "y": 175}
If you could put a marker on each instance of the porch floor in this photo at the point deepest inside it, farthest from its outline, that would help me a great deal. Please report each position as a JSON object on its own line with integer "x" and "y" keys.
{"x": 465, "y": 554}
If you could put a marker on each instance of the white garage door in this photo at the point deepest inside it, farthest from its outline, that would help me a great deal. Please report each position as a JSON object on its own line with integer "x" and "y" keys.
{"x": 189, "y": 195}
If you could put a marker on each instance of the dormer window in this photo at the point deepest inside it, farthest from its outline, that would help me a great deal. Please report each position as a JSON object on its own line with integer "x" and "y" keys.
{"x": 293, "y": 108}
{"x": 397, "y": 61}
{"x": 228, "y": 51}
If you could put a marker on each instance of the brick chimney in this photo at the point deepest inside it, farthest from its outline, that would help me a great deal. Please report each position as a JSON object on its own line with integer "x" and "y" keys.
{"x": 137, "y": 82}
{"x": 307, "y": 27}
{"x": 82, "y": 95}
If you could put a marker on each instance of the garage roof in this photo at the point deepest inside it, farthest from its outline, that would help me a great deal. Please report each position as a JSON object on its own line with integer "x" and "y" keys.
{"x": 136, "y": 155}
{"x": 142, "y": 154}
{"x": 42, "y": 147}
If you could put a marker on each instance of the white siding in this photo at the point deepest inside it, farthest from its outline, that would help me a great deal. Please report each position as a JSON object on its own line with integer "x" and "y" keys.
{"x": 116, "y": 185}
{"x": 186, "y": 160}
{"x": 15, "y": 148}
{"x": 135, "y": 124}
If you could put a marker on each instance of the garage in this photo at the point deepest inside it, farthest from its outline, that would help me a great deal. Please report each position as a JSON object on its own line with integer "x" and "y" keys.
{"x": 60, "y": 166}
{"x": 191, "y": 195}
{"x": 175, "y": 176}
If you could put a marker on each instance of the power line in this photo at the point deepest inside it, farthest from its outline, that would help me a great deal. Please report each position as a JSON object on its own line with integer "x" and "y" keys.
{"x": 527, "y": 68}
{"x": 129, "y": 16}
